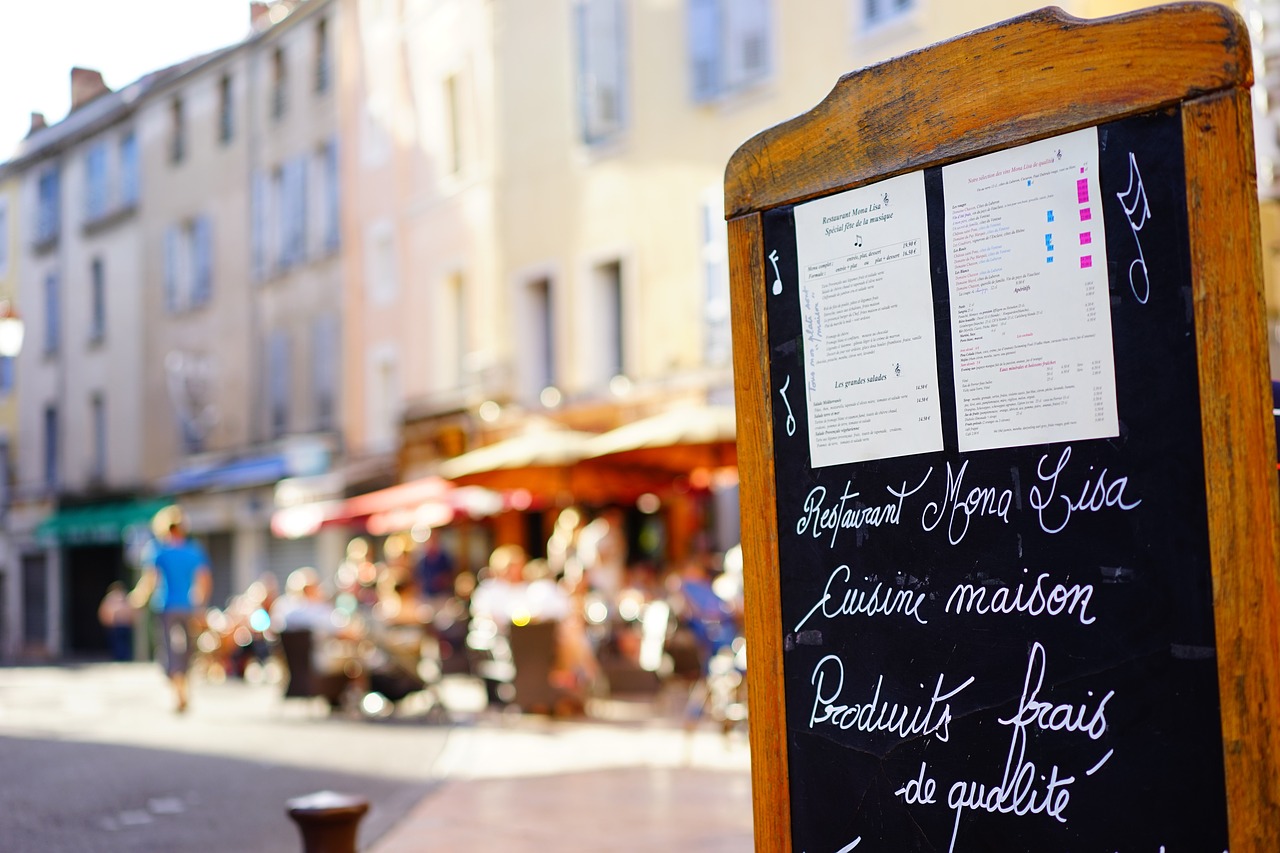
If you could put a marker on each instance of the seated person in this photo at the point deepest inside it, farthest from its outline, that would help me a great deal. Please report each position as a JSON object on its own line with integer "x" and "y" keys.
{"x": 335, "y": 659}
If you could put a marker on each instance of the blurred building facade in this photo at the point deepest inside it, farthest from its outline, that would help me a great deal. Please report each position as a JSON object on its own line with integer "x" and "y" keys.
{"x": 77, "y": 256}
{"x": 10, "y": 605}
{"x": 242, "y": 245}
{"x": 304, "y": 282}
{"x": 177, "y": 267}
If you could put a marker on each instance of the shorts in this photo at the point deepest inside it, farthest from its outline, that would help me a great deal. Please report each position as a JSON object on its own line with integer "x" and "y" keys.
{"x": 175, "y": 641}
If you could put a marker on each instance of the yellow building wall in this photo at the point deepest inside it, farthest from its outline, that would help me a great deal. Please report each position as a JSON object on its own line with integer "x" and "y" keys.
{"x": 564, "y": 207}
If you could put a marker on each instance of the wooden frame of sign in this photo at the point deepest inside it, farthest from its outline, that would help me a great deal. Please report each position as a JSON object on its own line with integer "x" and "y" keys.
{"x": 830, "y": 770}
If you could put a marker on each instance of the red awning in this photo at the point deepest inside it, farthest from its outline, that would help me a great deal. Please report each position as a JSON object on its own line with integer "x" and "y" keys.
{"x": 430, "y": 501}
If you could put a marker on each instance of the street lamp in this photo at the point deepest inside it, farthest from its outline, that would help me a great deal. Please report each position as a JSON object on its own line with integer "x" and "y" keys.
{"x": 12, "y": 330}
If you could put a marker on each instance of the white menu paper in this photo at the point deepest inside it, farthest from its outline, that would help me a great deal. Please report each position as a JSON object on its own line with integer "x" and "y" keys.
{"x": 1030, "y": 311}
{"x": 866, "y": 307}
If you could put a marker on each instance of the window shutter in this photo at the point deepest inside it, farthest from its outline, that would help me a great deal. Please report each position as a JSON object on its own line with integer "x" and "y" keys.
{"x": 748, "y": 33}
{"x": 300, "y": 211}
{"x": 258, "y": 225}
{"x": 172, "y": 251}
{"x": 202, "y": 260}
{"x": 129, "y": 170}
{"x": 704, "y": 49}
{"x": 333, "y": 226}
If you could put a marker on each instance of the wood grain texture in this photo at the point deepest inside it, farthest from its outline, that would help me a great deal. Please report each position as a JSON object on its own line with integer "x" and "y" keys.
{"x": 1239, "y": 444}
{"x": 762, "y": 594}
{"x": 1034, "y": 76}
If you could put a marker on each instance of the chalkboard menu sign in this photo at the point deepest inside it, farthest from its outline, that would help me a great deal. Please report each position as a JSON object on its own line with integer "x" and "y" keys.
{"x": 993, "y": 543}
{"x": 1009, "y": 524}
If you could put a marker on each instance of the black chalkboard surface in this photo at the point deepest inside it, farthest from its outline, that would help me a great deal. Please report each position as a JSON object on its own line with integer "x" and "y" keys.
{"x": 1011, "y": 649}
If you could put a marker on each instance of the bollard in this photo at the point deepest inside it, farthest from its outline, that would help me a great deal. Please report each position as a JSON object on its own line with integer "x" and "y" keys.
{"x": 328, "y": 821}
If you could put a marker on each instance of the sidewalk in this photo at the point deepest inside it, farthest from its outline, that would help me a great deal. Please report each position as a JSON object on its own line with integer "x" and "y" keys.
{"x": 524, "y": 783}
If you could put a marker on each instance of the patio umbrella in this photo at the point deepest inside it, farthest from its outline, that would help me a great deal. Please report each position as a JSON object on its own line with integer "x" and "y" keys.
{"x": 680, "y": 440}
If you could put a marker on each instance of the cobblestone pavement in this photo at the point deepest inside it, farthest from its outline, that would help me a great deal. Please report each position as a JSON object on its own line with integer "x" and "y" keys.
{"x": 94, "y": 759}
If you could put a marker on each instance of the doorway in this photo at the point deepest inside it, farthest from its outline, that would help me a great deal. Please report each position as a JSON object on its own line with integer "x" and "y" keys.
{"x": 90, "y": 570}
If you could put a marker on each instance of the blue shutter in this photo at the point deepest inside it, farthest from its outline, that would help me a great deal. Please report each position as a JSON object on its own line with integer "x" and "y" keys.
{"x": 580, "y": 15}
{"x": 201, "y": 260}
{"x": 129, "y": 170}
{"x": 332, "y": 223}
{"x": 52, "y": 315}
{"x": 278, "y": 382}
{"x": 280, "y": 215}
{"x": 171, "y": 252}
{"x": 258, "y": 225}
{"x": 325, "y": 344}
{"x": 300, "y": 209}
{"x": 705, "y": 49}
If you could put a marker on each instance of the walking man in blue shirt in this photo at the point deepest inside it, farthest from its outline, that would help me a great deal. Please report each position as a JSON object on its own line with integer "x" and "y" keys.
{"x": 176, "y": 581}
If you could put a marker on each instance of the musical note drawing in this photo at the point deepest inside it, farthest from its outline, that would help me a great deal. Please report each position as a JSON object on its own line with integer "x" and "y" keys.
{"x": 791, "y": 418}
{"x": 857, "y": 241}
{"x": 777, "y": 276}
{"x": 1137, "y": 210}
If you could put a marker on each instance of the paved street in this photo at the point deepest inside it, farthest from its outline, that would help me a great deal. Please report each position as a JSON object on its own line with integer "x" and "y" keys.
{"x": 93, "y": 759}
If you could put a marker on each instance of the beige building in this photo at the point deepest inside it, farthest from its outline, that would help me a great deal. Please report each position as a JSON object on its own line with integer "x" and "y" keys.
{"x": 80, "y": 483}
{"x": 534, "y": 218}
{"x": 242, "y": 250}
{"x": 180, "y": 278}
{"x": 376, "y": 237}
{"x": 10, "y": 567}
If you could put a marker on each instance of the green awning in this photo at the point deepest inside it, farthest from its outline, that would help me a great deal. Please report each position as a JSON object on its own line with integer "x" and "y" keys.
{"x": 98, "y": 524}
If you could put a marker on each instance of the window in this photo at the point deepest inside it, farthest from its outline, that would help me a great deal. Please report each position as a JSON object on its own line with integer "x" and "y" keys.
{"x": 52, "y": 314}
{"x": 326, "y": 343}
{"x": 541, "y": 362}
{"x": 382, "y": 276}
{"x": 717, "y": 343}
{"x": 97, "y": 301}
{"x": 4, "y": 237}
{"x": 453, "y": 119}
{"x": 608, "y": 287}
{"x": 327, "y": 225}
{"x": 188, "y": 265}
{"x": 278, "y": 83}
{"x": 291, "y": 188}
{"x": 7, "y": 375}
{"x": 324, "y": 63}
{"x": 128, "y": 170}
{"x": 455, "y": 343}
{"x": 193, "y": 433}
{"x": 259, "y": 198}
{"x": 226, "y": 110}
{"x": 730, "y": 46}
{"x": 278, "y": 383}
{"x": 601, "y": 49}
{"x": 96, "y": 188}
{"x": 877, "y": 12}
{"x": 51, "y": 447}
{"x": 174, "y": 264}
{"x": 382, "y": 398}
{"x": 48, "y": 205}
{"x": 98, "y": 414}
{"x": 177, "y": 131}
{"x": 200, "y": 234}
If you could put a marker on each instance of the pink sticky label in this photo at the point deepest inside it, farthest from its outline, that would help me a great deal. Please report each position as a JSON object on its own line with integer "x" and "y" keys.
{"x": 1082, "y": 190}
{"x": 1086, "y": 214}
{"x": 1086, "y": 237}
{"x": 1086, "y": 262}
